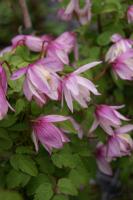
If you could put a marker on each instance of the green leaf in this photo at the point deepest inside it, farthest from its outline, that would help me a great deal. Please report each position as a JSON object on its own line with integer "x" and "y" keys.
{"x": 15, "y": 179}
{"x": 10, "y": 195}
{"x": 35, "y": 182}
{"x": 60, "y": 197}
{"x": 66, "y": 186}
{"x": 24, "y": 150}
{"x": 24, "y": 163}
{"x": 44, "y": 191}
{"x": 64, "y": 159}
{"x": 79, "y": 177}
{"x": 104, "y": 38}
{"x": 20, "y": 105}
{"x": 5, "y": 140}
{"x": 8, "y": 121}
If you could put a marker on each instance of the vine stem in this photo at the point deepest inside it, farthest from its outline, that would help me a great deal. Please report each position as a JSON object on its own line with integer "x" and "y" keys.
{"x": 26, "y": 15}
{"x": 100, "y": 75}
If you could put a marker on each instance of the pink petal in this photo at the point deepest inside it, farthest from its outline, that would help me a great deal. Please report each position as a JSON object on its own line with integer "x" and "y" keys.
{"x": 94, "y": 126}
{"x": 104, "y": 166}
{"x": 124, "y": 129}
{"x": 17, "y": 74}
{"x": 68, "y": 98}
{"x": 86, "y": 67}
{"x": 88, "y": 84}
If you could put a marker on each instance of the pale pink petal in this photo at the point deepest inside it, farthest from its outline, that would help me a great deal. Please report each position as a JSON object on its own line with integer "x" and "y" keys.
{"x": 94, "y": 126}
{"x": 17, "y": 74}
{"x": 124, "y": 129}
{"x": 86, "y": 67}
{"x": 35, "y": 140}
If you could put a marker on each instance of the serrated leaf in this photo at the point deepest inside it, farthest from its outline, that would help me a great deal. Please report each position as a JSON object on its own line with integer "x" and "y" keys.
{"x": 16, "y": 178}
{"x": 79, "y": 177}
{"x": 24, "y": 150}
{"x": 35, "y": 182}
{"x": 8, "y": 121}
{"x": 66, "y": 186}
{"x": 60, "y": 197}
{"x": 5, "y": 140}
{"x": 10, "y": 195}
{"x": 20, "y": 105}
{"x": 44, "y": 191}
{"x": 24, "y": 163}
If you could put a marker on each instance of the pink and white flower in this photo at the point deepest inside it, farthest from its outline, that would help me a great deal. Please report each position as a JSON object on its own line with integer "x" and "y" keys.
{"x": 45, "y": 132}
{"x": 120, "y": 143}
{"x": 3, "y": 90}
{"x": 101, "y": 159}
{"x": 120, "y": 46}
{"x": 130, "y": 14}
{"x": 123, "y": 65}
{"x": 41, "y": 81}
{"x": 78, "y": 88}
{"x": 108, "y": 118}
{"x": 73, "y": 8}
{"x": 62, "y": 46}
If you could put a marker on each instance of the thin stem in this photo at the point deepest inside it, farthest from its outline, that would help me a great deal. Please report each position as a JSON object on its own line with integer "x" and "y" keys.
{"x": 26, "y": 15}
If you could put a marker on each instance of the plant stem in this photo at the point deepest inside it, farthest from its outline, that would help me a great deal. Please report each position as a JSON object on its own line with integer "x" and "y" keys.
{"x": 26, "y": 15}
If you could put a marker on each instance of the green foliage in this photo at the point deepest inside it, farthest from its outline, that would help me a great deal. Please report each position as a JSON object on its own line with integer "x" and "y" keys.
{"x": 66, "y": 186}
{"x": 67, "y": 173}
{"x": 24, "y": 163}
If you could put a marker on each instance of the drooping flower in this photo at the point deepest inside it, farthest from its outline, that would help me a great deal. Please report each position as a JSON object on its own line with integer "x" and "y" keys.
{"x": 45, "y": 132}
{"x": 75, "y": 87}
{"x": 62, "y": 46}
{"x": 108, "y": 118}
{"x": 3, "y": 90}
{"x": 5, "y": 50}
{"x": 130, "y": 14}
{"x": 73, "y": 8}
{"x": 101, "y": 159}
{"x": 120, "y": 45}
{"x": 120, "y": 143}
{"x": 34, "y": 43}
{"x": 123, "y": 65}
{"x": 41, "y": 81}
{"x": 58, "y": 48}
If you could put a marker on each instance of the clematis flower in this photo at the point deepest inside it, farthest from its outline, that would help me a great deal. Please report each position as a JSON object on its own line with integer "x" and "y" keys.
{"x": 101, "y": 159}
{"x": 41, "y": 81}
{"x": 75, "y": 87}
{"x": 61, "y": 47}
{"x": 3, "y": 90}
{"x": 123, "y": 65}
{"x": 34, "y": 43}
{"x": 120, "y": 143}
{"x": 45, "y": 132}
{"x": 108, "y": 118}
{"x": 5, "y": 50}
{"x": 73, "y": 8}
{"x": 120, "y": 45}
{"x": 130, "y": 14}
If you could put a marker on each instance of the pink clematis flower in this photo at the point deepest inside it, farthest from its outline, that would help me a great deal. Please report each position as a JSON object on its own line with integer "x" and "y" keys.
{"x": 130, "y": 14}
{"x": 120, "y": 45}
{"x": 123, "y": 65}
{"x": 108, "y": 118}
{"x": 75, "y": 87}
{"x": 48, "y": 134}
{"x": 120, "y": 143}
{"x": 101, "y": 159}
{"x": 41, "y": 81}
{"x": 34, "y": 43}
{"x": 61, "y": 47}
{"x": 5, "y": 50}
{"x": 73, "y": 8}
{"x": 3, "y": 90}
